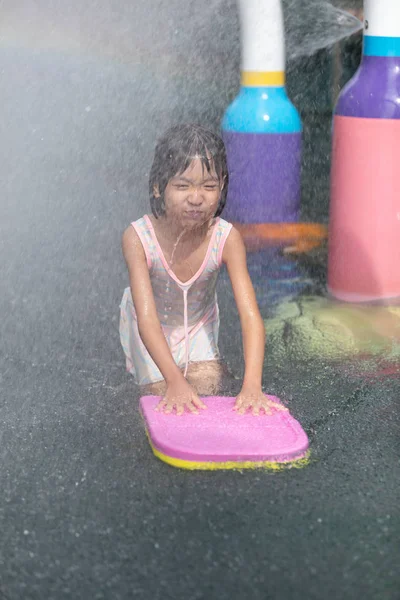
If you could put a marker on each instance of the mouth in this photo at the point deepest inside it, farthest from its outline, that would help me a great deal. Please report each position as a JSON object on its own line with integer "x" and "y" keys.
{"x": 196, "y": 215}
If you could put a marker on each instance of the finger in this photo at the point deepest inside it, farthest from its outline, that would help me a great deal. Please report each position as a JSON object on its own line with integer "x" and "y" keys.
{"x": 281, "y": 407}
{"x": 161, "y": 405}
{"x": 192, "y": 408}
{"x": 180, "y": 410}
{"x": 199, "y": 403}
{"x": 245, "y": 404}
{"x": 259, "y": 408}
{"x": 238, "y": 403}
{"x": 277, "y": 405}
{"x": 273, "y": 404}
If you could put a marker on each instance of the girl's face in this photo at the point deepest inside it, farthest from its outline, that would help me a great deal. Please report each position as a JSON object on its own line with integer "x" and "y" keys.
{"x": 191, "y": 198}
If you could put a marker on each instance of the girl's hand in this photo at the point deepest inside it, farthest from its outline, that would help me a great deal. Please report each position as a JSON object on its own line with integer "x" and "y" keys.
{"x": 257, "y": 400}
{"x": 179, "y": 396}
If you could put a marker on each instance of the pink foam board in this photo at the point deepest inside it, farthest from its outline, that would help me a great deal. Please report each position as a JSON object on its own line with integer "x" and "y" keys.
{"x": 220, "y": 434}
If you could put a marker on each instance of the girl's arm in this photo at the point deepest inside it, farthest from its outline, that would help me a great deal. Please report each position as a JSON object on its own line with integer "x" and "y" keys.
{"x": 146, "y": 312}
{"x": 179, "y": 393}
{"x": 252, "y": 325}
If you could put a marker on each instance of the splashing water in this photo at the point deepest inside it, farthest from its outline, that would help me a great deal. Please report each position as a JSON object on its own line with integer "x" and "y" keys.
{"x": 100, "y": 82}
{"x": 183, "y": 29}
{"x": 316, "y": 25}
{"x": 171, "y": 262}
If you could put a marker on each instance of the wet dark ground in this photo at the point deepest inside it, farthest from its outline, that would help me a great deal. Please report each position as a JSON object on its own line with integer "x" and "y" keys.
{"x": 86, "y": 511}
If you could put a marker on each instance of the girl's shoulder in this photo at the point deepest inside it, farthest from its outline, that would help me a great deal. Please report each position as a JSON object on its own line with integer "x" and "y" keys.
{"x": 142, "y": 226}
{"x": 140, "y": 231}
{"x": 223, "y": 230}
{"x": 223, "y": 222}
{"x": 136, "y": 229}
{"x": 224, "y": 225}
{"x": 221, "y": 234}
{"x": 141, "y": 222}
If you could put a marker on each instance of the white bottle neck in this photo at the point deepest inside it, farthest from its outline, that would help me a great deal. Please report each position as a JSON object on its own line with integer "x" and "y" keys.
{"x": 382, "y": 18}
{"x": 262, "y": 35}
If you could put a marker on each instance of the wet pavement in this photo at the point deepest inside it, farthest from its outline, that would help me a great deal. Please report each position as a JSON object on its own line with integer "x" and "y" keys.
{"x": 86, "y": 511}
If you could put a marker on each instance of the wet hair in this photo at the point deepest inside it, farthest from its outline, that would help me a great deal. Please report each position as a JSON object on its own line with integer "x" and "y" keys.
{"x": 175, "y": 151}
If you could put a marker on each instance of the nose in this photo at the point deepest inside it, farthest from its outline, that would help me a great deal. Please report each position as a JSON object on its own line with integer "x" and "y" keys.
{"x": 196, "y": 197}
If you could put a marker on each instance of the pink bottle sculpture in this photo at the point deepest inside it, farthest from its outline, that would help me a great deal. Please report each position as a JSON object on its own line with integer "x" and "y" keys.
{"x": 364, "y": 230}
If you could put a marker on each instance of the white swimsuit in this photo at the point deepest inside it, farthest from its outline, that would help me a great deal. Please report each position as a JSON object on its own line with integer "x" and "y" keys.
{"x": 188, "y": 312}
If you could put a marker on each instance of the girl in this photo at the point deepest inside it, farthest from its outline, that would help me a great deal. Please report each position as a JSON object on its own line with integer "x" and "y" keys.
{"x": 169, "y": 316}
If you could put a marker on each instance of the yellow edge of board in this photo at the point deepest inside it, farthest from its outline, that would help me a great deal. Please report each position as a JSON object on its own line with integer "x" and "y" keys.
{"x": 298, "y": 463}
{"x": 262, "y": 78}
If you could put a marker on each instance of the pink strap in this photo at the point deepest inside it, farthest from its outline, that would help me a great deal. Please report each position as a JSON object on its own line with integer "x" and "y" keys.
{"x": 222, "y": 241}
{"x": 143, "y": 240}
{"x": 185, "y": 322}
{"x": 165, "y": 262}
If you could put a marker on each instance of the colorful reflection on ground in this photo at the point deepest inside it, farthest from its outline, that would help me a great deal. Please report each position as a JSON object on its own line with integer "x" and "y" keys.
{"x": 303, "y": 323}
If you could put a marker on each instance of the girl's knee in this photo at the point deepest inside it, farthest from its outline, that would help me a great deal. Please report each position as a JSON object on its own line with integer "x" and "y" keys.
{"x": 205, "y": 377}
{"x": 154, "y": 389}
